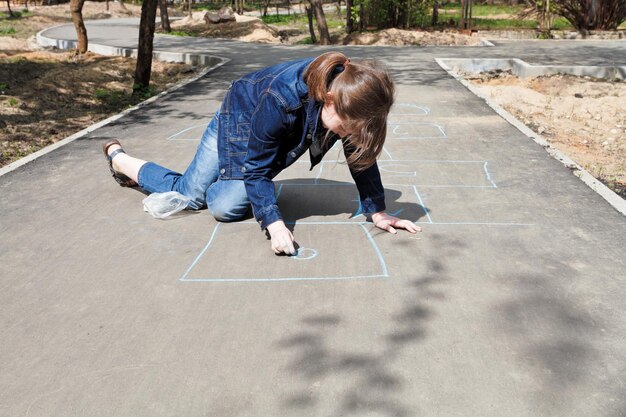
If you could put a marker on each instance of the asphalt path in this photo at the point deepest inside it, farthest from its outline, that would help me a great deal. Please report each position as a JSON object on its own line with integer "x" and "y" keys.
{"x": 509, "y": 303}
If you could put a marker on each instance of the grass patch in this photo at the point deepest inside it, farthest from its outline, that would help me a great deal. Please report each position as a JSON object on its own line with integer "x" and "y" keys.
{"x": 206, "y": 7}
{"x": 105, "y": 95}
{"x": 16, "y": 15}
{"x": 305, "y": 41}
{"x": 561, "y": 23}
{"x": 9, "y": 30}
{"x": 332, "y": 20}
{"x": 502, "y": 24}
{"x": 282, "y": 19}
{"x": 180, "y": 33}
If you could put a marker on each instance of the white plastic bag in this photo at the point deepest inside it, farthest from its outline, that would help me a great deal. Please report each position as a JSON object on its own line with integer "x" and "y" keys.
{"x": 162, "y": 205}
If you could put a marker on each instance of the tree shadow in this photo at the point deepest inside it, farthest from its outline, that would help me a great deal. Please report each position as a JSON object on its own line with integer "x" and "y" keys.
{"x": 357, "y": 382}
{"x": 555, "y": 333}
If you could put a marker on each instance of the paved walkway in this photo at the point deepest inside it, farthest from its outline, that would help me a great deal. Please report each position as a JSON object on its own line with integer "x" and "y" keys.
{"x": 510, "y": 303}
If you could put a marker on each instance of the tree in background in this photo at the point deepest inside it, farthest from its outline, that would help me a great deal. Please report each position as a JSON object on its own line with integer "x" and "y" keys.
{"x": 349, "y": 17}
{"x": 9, "y": 7}
{"x": 383, "y": 14}
{"x": 435, "y": 17}
{"x": 316, "y": 5}
{"x": 165, "y": 18}
{"x": 587, "y": 15}
{"x": 145, "y": 47}
{"x": 309, "y": 15}
{"x": 76, "y": 9}
{"x": 237, "y": 6}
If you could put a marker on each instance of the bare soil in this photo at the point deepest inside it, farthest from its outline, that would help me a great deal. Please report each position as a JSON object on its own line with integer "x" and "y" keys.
{"x": 47, "y": 95}
{"x": 581, "y": 117}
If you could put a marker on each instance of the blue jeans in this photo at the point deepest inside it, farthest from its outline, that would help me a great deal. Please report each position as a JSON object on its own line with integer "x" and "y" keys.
{"x": 226, "y": 199}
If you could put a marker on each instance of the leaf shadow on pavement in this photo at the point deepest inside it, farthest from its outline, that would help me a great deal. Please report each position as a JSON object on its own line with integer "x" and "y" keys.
{"x": 556, "y": 334}
{"x": 366, "y": 382}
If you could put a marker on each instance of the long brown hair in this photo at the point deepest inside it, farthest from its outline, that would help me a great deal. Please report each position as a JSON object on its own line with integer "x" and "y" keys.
{"x": 362, "y": 93}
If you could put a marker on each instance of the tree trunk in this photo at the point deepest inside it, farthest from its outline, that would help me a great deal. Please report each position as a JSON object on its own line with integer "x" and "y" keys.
{"x": 349, "y": 21}
{"x": 361, "y": 15}
{"x": 107, "y": 5}
{"x": 339, "y": 9}
{"x": 165, "y": 18}
{"x": 122, "y": 5}
{"x": 189, "y": 5}
{"x": 309, "y": 15}
{"x": 435, "y": 18}
{"x": 9, "y": 7}
{"x": 76, "y": 8}
{"x": 144, "y": 49}
{"x": 316, "y": 5}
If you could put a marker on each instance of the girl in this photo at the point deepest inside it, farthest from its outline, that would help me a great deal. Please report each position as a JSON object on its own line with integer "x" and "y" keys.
{"x": 267, "y": 120}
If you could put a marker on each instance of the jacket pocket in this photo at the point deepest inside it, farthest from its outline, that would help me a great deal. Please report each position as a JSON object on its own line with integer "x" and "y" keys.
{"x": 233, "y": 146}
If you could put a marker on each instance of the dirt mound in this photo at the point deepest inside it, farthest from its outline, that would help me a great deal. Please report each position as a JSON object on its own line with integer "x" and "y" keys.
{"x": 245, "y": 30}
{"x": 399, "y": 37}
{"x": 581, "y": 117}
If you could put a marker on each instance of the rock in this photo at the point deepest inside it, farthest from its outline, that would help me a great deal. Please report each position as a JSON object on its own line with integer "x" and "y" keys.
{"x": 541, "y": 129}
{"x": 578, "y": 95}
{"x": 212, "y": 18}
{"x": 614, "y": 131}
{"x": 225, "y": 14}
{"x": 605, "y": 143}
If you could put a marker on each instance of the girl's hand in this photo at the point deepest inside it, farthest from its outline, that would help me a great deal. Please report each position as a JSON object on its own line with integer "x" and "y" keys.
{"x": 389, "y": 223}
{"x": 282, "y": 239}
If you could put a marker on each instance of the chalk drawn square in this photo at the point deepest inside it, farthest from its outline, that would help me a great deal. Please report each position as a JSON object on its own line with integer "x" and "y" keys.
{"x": 408, "y": 109}
{"x": 415, "y": 130}
{"x": 326, "y": 202}
{"x": 319, "y": 200}
{"x": 494, "y": 206}
{"x": 243, "y": 254}
{"x": 461, "y": 174}
{"x": 406, "y": 202}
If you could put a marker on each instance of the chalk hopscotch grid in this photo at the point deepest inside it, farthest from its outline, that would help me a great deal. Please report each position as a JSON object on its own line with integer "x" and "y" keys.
{"x": 382, "y": 165}
{"x": 399, "y": 129}
{"x": 384, "y": 273}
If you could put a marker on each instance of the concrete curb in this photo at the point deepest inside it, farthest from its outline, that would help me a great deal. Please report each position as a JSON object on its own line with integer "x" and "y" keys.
{"x": 610, "y": 196}
{"x": 216, "y": 62}
{"x": 523, "y": 69}
{"x": 187, "y": 58}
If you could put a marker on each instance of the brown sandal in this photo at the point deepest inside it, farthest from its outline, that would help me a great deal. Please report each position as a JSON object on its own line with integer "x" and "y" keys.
{"x": 121, "y": 179}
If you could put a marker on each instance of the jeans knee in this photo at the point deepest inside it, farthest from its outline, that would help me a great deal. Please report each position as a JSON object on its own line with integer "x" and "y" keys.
{"x": 225, "y": 214}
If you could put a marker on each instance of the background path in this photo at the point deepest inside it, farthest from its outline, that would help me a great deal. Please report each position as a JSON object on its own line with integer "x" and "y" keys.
{"x": 510, "y": 303}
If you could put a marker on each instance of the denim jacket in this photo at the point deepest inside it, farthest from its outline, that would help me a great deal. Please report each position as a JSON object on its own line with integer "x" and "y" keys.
{"x": 266, "y": 122}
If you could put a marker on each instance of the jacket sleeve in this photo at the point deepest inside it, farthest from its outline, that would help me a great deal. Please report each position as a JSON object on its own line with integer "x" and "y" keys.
{"x": 369, "y": 184}
{"x": 268, "y": 124}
